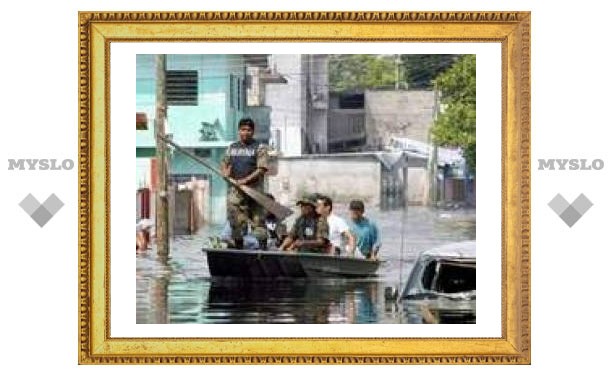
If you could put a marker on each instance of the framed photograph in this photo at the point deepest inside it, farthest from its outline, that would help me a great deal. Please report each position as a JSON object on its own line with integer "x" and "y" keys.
{"x": 305, "y": 187}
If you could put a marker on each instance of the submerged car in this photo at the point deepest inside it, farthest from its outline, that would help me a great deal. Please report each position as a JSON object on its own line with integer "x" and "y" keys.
{"x": 441, "y": 287}
{"x": 449, "y": 271}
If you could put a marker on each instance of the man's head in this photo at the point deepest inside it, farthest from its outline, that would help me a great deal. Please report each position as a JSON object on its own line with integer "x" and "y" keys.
{"x": 246, "y": 129}
{"x": 307, "y": 205}
{"x": 324, "y": 205}
{"x": 356, "y": 208}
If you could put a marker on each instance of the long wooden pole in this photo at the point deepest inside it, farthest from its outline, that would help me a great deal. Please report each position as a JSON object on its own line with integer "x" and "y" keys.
{"x": 161, "y": 197}
{"x": 280, "y": 211}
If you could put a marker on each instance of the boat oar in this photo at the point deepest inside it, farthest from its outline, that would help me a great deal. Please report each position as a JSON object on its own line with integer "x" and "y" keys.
{"x": 280, "y": 212}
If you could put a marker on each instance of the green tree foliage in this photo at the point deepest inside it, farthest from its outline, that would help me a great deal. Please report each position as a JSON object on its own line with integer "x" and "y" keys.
{"x": 456, "y": 123}
{"x": 420, "y": 70}
{"x": 358, "y": 72}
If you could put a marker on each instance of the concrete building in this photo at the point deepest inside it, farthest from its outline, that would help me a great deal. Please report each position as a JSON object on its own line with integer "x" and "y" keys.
{"x": 369, "y": 120}
{"x": 346, "y": 122}
{"x": 298, "y": 109}
{"x": 381, "y": 179}
{"x": 398, "y": 113}
{"x": 305, "y": 118}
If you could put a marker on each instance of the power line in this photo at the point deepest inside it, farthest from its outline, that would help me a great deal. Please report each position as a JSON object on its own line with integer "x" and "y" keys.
{"x": 239, "y": 62}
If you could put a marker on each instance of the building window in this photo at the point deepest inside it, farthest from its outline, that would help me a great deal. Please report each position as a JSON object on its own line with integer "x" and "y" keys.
{"x": 182, "y": 88}
{"x": 252, "y": 91}
{"x": 232, "y": 92}
{"x": 238, "y": 94}
{"x": 275, "y": 140}
{"x": 351, "y": 101}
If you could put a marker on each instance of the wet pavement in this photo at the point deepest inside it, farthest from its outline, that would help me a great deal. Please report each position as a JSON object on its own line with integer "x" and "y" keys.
{"x": 182, "y": 290}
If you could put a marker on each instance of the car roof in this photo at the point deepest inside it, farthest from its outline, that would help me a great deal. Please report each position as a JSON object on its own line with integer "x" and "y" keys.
{"x": 464, "y": 249}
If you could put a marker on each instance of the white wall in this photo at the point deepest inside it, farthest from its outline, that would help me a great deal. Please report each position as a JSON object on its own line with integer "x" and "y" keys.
{"x": 398, "y": 114}
{"x": 340, "y": 178}
{"x": 287, "y": 103}
{"x": 143, "y": 172}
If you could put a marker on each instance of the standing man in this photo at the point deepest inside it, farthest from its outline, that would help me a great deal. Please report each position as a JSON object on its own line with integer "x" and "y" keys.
{"x": 338, "y": 228}
{"x": 365, "y": 230}
{"x": 245, "y": 162}
{"x": 309, "y": 232}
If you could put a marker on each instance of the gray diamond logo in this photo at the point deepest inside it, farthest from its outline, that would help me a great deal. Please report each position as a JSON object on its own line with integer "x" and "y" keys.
{"x": 41, "y": 213}
{"x": 570, "y": 213}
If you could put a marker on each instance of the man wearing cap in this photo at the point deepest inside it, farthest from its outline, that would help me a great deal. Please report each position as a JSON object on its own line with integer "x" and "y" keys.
{"x": 365, "y": 231}
{"x": 245, "y": 162}
{"x": 310, "y": 232}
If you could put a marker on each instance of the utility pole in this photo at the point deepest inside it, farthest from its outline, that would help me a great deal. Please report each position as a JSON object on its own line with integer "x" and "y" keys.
{"x": 433, "y": 160}
{"x": 161, "y": 198}
{"x": 397, "y": 76}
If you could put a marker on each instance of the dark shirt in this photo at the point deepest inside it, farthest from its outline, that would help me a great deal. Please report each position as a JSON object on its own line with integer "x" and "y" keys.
{"x": 244, "y": 159}
{"x": 277, "y": 231}
{"x": 310, "y": 228}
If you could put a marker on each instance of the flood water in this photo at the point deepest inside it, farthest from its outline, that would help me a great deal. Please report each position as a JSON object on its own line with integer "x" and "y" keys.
{"x": 183, "y": 291}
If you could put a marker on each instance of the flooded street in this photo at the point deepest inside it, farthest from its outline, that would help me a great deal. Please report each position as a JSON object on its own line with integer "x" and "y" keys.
{"x": 184, "y": 292}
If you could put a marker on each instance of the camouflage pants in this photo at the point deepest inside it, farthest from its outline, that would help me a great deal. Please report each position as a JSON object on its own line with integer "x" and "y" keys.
{"x": 242, "y": 211}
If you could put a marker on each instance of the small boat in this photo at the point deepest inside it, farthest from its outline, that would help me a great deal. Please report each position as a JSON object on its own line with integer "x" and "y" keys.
{"x": 224, "y": 262}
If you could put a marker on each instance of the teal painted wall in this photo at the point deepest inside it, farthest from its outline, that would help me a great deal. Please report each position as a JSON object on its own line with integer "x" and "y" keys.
{"x": 214, "y": 102}
{"x": 221, "y": 99}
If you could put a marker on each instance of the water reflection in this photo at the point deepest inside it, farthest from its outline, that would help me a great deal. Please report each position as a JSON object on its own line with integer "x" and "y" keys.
{"x": 324, "y": 301}
{"x": 285, "y": 301}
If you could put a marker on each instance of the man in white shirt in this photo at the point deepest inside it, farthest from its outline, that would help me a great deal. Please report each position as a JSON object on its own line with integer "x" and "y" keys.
{"x": 341, "y": 240}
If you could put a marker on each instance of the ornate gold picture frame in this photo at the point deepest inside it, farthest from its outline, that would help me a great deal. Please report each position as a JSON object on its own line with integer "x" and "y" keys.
{"x": 97, "y": 30}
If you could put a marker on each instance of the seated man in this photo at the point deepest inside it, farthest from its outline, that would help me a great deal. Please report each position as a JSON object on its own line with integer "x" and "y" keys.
{"x": 365, "y": 231}
{"x": 249, "y": 240}
{"x": 310, "y": 232}
{"x": 276, "y": 232}
{"x": 143, "y": 235}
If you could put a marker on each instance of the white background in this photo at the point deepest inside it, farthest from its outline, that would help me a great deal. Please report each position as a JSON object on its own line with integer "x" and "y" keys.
{"x": 123, "y": 285}
{"x": 570, "y": 267}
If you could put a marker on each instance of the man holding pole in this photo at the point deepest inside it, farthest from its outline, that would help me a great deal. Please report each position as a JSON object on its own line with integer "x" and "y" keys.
{"x": 245, "y": 162}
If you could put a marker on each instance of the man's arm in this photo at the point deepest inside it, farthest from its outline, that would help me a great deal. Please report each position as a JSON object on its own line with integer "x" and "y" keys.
{"x": 377, "y": 242}
{"x": 289, "y": 240}
{"x": 226, "y": 168}
{"x": 350, "y": 241}
{"x": 253, "y": 177}
{"x": 317, "y": 243}
{"x": 345, "y": 231}
{"x": 286, "y": 243}
{"x": 322, "y": 236}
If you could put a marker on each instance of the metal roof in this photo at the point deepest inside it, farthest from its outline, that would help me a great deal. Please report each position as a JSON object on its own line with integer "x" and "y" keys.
{"x": 464, "y": 249}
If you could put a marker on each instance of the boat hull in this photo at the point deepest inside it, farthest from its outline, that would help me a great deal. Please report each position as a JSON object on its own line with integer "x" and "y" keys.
{"x": 276, "y": 264}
